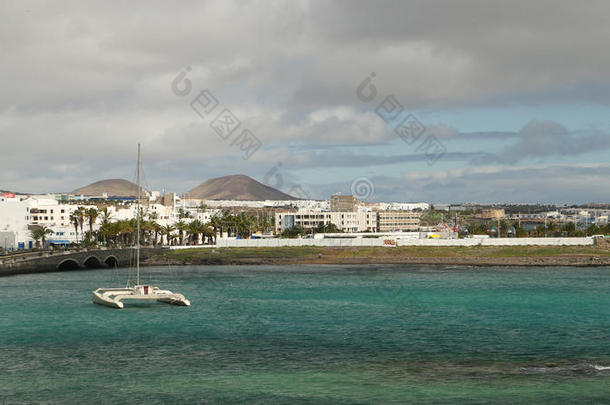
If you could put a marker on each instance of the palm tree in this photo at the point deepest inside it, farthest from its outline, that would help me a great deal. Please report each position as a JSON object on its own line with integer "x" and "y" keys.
{"x": 167, "y": 230}
{"x": 113, "y": 231}
{"x": 146, "y": 230}
{"x": 209, "y": 233}
{"x": 183, "y": 214}
{"x": 157, "y": 229}
{"x": 74, "y": 221}
{"x": 125, "y": 231}
{"x": 264, "y": 224}
{"x": 181, "y": 226}
{"x": 194, "y": 229}
{"x": 39, "y": 233}
{"x": 244, "y": 225}
{"x": 105, "y": 216}
{"x": 91, "y": 215}
{"x": 229, "y": 222}
{"x": 106, "y": 231}
{"x": 216, "y": 224}
{"x": 80, "y": 214}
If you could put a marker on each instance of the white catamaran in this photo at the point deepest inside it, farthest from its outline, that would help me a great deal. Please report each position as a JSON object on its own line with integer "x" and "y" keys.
{"x": 114, "y": 297}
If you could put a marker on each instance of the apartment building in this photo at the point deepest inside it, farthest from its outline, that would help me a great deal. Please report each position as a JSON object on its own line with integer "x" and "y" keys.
{"x": 397, "y": 221}
{"x": 346, "y": 221}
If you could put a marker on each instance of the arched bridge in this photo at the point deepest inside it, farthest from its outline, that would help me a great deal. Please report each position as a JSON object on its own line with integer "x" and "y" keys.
{"x": 45, "y": 261}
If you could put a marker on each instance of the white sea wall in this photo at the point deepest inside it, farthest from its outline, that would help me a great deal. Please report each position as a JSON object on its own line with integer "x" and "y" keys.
{"x": 348, "y": 242}
{"x": 499, "y": 242}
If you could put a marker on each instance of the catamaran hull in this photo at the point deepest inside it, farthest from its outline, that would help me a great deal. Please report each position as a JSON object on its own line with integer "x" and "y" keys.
{"x": 114, "y": 298}
{"x": 181, "y": 302}
{"x": 101, "y": 300}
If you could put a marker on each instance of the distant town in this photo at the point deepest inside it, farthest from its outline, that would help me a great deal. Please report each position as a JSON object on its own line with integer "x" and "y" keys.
{"x": 104, "y": 214}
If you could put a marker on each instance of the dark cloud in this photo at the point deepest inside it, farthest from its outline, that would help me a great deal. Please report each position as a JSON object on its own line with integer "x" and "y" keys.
{"x": 83, "y": 82}
{"x": 534, "y": 184}
{"x": 539, "y": 139}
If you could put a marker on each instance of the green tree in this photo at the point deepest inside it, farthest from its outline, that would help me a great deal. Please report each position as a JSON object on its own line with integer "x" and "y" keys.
{"x": 431, "y": 217}
{"x": 569, "y": 229}
{"x": 327, "y": 228}
{"x": 244, "y": 225}
{"x": 40, "y": 233}
{"x": 91, "y": 215}
{"x": 182, "y": 227}
{"x": 105, "y": 216}
{"x": 294, "y": 232}
{"x": 183, "y": 214}
{"x": 209, "y": 234}
{"x": 195, "y": 228}
{"x": 167, "y": 230}
{"x": 216, "y": 224}
{"x": 81, "y": 213}
{"x": 75, "y": 222}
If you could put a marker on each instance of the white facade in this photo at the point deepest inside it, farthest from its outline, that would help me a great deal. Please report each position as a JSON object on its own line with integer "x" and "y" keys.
{"x": 14, "y": 219}
{"x": 346, "y": 221}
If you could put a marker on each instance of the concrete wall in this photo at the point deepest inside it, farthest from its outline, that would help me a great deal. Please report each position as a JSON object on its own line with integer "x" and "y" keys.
{"x": 405, "y": 242}
{"x": 8, "y": 240}
{"x": 298, "y": 242}
{"x": 498, "y": 242}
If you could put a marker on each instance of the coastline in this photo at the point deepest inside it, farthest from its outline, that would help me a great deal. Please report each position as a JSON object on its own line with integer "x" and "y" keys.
{"x": 589, "y": 256}
{"x": 522, "y": 256}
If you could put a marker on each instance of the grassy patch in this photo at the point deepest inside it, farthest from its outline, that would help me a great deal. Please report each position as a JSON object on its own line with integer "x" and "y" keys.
{"x": 311, "y": 252}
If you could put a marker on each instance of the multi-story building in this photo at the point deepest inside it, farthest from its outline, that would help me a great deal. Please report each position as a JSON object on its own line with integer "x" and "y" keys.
{"x": 346, "y": 221}
{"x": 397, "y": 221}
{"x": 48, "y": 212}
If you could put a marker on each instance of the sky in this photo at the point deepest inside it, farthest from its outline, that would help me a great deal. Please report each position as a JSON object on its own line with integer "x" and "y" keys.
{"x": 436, "y": 101}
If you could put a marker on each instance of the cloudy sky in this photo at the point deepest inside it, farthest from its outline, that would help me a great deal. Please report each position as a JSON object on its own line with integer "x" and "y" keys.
{"x": 435, "y": 101}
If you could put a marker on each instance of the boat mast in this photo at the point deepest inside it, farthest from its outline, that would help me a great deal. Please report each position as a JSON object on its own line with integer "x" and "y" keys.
{"x": 138, "y": 220}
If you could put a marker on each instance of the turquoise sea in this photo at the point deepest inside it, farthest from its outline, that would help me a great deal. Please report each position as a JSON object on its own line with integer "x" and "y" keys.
{"x": 311, "y": 335}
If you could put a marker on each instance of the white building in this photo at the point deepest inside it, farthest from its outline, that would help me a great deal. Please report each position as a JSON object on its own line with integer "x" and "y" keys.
{"x": 14, "y": 219}
{"x": 346, "y": 221}
{"x": 47, "y": 211}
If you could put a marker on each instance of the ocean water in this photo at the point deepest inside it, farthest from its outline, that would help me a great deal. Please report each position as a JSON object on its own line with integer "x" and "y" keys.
{"x": 311, "y": 335}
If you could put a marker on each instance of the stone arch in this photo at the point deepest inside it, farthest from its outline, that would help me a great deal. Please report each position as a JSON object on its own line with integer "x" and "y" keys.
{"x": 112, "y": 261}
{"x": 92, "y": 262}
{"x": 68, "y": 264}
